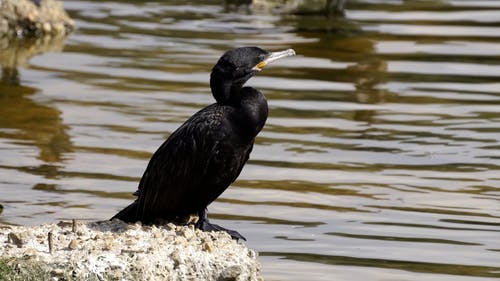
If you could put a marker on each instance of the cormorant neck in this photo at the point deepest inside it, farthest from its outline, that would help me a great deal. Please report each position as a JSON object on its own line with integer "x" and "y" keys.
{"x": 226, "y": 89}
{"x": 224, "y": 92}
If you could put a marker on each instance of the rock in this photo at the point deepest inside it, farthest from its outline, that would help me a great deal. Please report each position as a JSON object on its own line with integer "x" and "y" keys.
{"x": 231, "y": 273}
{"x": 23, "y": 18}
{"x": 114, "y": 250}
{"x": 15, "y": 239}
{"x": 73, "y": 244}
{"x": 208, "y": 246}
{"x": 300, "y": 6}
{"x": 28, "y": 28}
{"x": 57, "y": 272}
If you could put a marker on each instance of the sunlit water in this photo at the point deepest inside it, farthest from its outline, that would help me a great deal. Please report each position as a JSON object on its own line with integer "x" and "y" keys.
{"x": 380, "y": 159}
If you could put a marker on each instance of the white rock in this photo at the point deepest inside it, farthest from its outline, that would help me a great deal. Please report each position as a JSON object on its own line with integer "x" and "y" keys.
{"x": 115, "y": 250}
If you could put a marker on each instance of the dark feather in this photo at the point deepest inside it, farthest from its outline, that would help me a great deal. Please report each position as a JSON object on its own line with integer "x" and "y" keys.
{"x": 192, "y": 167}
{"x": 207, "y": 153}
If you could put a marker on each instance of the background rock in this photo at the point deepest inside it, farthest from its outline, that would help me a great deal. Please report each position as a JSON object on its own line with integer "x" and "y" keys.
{"x": 24, "y": 18}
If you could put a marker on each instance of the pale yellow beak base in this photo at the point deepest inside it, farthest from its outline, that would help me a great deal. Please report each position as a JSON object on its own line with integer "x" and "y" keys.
{"x": 274, "y": 56}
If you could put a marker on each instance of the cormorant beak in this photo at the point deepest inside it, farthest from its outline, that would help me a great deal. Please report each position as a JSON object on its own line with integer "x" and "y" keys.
{"x": 273, "y": 57}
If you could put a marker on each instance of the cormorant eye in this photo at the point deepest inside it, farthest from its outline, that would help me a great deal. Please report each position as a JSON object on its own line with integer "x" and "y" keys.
{"x": 262, "y": 57}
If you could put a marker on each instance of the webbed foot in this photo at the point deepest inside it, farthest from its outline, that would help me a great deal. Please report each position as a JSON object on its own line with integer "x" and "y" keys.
{"x": 205, "y": 225}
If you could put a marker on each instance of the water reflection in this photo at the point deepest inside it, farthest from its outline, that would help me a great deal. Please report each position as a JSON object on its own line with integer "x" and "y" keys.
{"x": 15, "y": 52}
{"x": 436, "y": 268}
{"x": 26, "y": 121}
{"x": 34, "y": 140}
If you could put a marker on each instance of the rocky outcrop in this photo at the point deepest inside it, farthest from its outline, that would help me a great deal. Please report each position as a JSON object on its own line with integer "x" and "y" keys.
{"x": 114, "y": 250}
{"x": 26, "y": 18}
{"x": 300, "y": 6}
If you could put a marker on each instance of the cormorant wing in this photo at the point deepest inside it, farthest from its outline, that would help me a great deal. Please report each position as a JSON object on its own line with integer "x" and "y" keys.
{"x": 178, "y": 177}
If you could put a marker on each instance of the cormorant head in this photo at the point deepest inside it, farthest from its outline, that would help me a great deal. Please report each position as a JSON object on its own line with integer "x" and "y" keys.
{"x": 234, "y": 69}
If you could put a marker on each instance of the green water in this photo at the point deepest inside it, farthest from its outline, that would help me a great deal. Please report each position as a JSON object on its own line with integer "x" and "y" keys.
{"x": 380, "y": 159}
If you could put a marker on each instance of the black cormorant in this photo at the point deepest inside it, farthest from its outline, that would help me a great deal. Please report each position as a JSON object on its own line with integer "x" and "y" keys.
{"x": 206, "y": 153}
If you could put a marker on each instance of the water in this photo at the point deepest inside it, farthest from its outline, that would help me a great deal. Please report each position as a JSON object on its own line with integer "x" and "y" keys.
{"x": 380, "y": 159}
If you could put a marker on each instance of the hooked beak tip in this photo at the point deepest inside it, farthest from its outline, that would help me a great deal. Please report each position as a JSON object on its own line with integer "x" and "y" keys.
{"x": 274, "y": 56}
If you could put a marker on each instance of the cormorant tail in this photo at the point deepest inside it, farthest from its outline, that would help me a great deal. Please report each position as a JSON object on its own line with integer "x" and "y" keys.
{"x": 129, "y": 214}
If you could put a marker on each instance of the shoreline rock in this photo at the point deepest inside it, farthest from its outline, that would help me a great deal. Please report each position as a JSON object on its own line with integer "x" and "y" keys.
{"x": 28, "y": 29}
{"x": 114, "y": 250}
{"x": 24, "y": 18}
{"x": 300, "y": 6}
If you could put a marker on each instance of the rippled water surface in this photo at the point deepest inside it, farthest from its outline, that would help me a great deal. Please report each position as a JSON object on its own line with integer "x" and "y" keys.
{"x": 380, "y": 159}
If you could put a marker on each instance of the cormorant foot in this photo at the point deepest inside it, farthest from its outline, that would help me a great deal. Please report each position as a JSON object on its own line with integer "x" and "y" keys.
{"x": 205, "y": 225}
